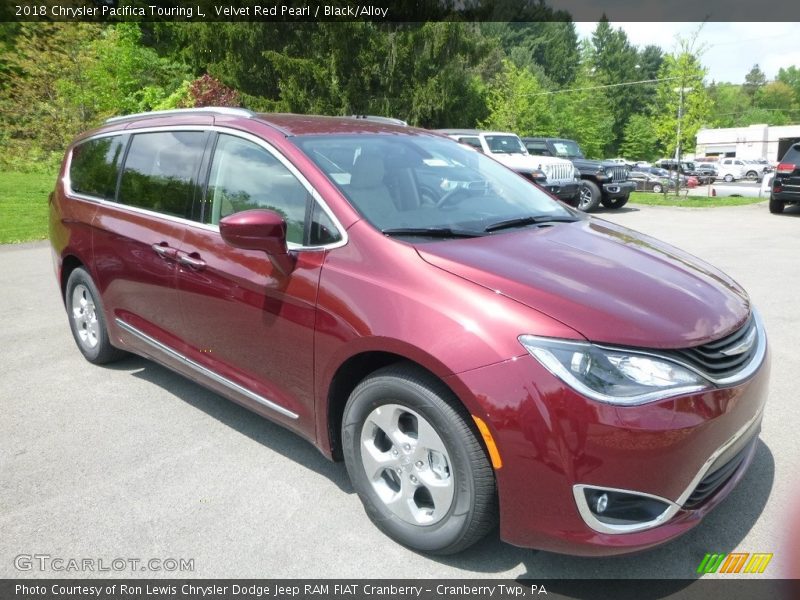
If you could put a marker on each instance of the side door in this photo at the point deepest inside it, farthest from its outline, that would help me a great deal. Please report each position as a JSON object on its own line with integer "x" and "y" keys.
{"x": 136, "y": 238}
{"x": 248, "y": 325}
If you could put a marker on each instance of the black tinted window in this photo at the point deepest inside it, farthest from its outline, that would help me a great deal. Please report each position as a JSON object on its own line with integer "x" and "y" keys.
{"x": 792, "y": 155}
{"x": 161, "y": 171}
{"x": 95, "y": 165}
{"x": 538, "y": 148}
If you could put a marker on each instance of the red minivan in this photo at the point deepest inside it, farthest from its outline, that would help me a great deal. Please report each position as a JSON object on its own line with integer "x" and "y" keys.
{"x": 475, "y": 351}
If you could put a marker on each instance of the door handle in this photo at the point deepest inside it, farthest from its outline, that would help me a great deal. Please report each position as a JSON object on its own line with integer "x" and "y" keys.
{"x": 163, "y": 250}
{"x": 193, "y": 262}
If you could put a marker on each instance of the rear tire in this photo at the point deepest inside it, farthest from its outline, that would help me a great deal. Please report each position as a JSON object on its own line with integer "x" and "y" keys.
{"x": 657, "y": 188}
{"x": 87, "y": 320}
{"x": 729, "y": 178}
{"x": 589, "y": 196}
{"x": 416, "y": 463}
{"x": 616, "y": 203}
{"x": 751, "y": 176}
{"x": 776, "y": 206}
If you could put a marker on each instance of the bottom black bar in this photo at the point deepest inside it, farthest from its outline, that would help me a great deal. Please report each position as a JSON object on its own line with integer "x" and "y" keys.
{"x": 729, "y": 588}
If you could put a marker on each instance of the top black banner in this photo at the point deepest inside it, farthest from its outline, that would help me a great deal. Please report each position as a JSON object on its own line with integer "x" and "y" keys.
{"x": 398, "y": 11}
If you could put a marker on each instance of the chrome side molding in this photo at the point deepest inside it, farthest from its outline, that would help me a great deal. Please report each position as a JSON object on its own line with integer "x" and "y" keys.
{"x": 204, "y": 370}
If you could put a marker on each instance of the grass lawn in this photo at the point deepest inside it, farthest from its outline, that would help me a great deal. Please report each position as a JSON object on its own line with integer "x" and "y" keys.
{"x": 690, "y": 201}
{"x": 23, "y": 206}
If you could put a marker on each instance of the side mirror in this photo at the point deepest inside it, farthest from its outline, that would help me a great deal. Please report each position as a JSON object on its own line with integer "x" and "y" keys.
{"x": 259, "y": 229}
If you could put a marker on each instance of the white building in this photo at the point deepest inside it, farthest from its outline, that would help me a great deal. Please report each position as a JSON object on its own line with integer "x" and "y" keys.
{"x": 755, "y": 141}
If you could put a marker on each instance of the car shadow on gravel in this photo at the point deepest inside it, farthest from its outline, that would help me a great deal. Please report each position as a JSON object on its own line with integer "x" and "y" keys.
{"x": 721, "y": 531}
{"x": 259, "y": 429}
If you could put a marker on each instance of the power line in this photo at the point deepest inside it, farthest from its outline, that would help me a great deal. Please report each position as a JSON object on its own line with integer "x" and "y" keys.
{"x": 599, "y": 87}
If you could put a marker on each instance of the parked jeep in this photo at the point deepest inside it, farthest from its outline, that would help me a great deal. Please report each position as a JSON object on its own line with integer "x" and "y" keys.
{"x": 602, "y": 181}
{"x": 561, "y": 178}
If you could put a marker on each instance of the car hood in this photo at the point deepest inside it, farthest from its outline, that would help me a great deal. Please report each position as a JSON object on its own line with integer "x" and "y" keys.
{"x": 609, "y": 283}
{"x": 521, "y": 161}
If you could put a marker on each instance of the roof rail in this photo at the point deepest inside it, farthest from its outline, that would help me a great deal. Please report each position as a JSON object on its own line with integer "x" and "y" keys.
{"x": 379, "y": 119}
{"x": 219, "y": 110}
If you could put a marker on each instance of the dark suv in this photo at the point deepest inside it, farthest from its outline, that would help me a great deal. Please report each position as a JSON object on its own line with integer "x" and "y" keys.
{"x": 604, "y": 182}
{"x": 474, "y": 350}
{"x": 786, "y": 183}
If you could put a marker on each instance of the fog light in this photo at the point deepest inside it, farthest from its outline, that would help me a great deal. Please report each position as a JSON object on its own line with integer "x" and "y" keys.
{"x": 619, "y": 507}
{"x": 602, "y": 504}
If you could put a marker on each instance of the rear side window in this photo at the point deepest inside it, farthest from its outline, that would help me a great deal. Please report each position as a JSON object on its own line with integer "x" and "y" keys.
{"x": 471, "y": 141}
{"x": 95, "y": 165}
{"x": 161, "y": 171}
{"x": 792, "y": 155}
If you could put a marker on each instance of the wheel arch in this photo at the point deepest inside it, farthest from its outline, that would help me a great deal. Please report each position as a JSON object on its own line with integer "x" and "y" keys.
{"x": 69, "y": 263}
{"x": 350, "y": 373}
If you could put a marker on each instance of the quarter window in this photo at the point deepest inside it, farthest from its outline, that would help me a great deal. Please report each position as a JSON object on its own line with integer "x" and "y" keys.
{"x": 95, "y": 166}
{"x": 161, "y": 171}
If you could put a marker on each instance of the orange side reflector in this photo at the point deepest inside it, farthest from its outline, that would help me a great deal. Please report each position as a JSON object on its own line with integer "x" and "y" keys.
{"x": 494, "y": 454}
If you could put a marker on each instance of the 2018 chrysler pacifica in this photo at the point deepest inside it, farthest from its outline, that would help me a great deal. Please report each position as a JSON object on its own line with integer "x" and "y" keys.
{"x": 475, "y": 351}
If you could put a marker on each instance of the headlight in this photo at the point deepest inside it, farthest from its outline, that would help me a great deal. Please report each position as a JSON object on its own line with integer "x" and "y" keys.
{"x": 610, "y": 172}
{"x": 614, "y": 376}
{"x": 576, "y": 173}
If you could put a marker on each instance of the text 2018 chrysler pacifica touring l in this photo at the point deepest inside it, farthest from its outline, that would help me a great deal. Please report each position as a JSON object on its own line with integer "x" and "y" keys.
{"x": 475, "y": 351}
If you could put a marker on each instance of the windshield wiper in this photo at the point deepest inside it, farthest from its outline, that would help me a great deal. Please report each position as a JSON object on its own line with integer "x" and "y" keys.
{"x": 437, "y": 232}
{"x": 529, "y": 220}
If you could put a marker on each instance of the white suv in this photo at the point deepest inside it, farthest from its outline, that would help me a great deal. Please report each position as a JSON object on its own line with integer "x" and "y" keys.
{"x": 731, "y": 169}
{"x": 563, "y": 180}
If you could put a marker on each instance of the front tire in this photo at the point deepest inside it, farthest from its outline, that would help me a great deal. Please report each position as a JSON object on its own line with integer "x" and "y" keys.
{"x": 728, "y": 178}
{"x": 616, "y": 203}
{"x": 416, "y": 462}
{"x": 589, "y": 196}
{"x": 657, "y": 188}
{"x": 87, "y": 319}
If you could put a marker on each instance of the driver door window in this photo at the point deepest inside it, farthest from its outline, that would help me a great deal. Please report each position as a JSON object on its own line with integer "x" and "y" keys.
{"x": 245, "y": 176}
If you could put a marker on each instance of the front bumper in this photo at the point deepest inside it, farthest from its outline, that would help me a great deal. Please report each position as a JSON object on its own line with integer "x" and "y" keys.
{"x": 563, "y": 190}
{"x": 618, "y": 189}
{"x": 552, "y": 439}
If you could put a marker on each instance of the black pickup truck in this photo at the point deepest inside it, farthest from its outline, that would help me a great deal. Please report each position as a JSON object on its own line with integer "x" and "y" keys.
{"x": 602, "y": 182}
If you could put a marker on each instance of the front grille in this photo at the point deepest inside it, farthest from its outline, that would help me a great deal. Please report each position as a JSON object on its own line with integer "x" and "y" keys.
{"x": 725, "y": 357}
{"x": 559, "y": 172}
{"x": 716, "y": 479}
{"x": 620, "y": 174}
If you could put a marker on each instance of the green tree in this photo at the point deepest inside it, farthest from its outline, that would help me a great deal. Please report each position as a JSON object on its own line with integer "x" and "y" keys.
{"x": 584, "y": 113}
{"x": 517, "y": 103}
{"x": 551, "y": 46}
{"x": 753, "y": 82}
{"x": 638, "y": 141}
{"x": 681, "y": 70}
{"x": 615, "y": 60}
{"x": 791, "y": 77}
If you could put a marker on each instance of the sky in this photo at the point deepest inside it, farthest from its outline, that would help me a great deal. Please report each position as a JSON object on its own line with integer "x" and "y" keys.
{"x": 731, "y": 49}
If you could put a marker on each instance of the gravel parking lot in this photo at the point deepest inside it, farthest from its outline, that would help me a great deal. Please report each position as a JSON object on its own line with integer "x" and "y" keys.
{"x": 134, "y": 461}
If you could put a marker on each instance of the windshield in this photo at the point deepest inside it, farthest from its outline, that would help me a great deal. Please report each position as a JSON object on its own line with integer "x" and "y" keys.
{"x": 505, "y": 144}
{"x": 426, "y": 182}
{"x": 567, "y": 148}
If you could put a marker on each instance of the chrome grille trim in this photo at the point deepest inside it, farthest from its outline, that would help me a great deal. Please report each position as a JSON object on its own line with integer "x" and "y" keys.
{"x": 745, "y": 371}
{"x": 559, "y": 172}
{"x": 620, "y": 174}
